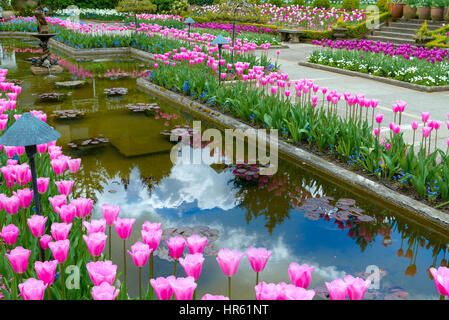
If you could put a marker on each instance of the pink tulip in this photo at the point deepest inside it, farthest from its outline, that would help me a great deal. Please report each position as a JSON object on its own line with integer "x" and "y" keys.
{"x": 110, "y": 213}
{"x": 229, "y": 260}
{"x": 83, "y": 207}
{"x": 376, "y": 131}
{"x": 292, "y": 292}
{"x": 182, "y": 287}
{"x": 57, "y": 201}
{"x": 95, "y": 243}
{"x": 25, "y": 197}
{"x": 95, "y": 226}
{"x": 32, "y": 289}
{"x": 105, "y": 291}
{"x": 41, "y": 148}
{"x": 356, "y": 287}
{"x": 196, "y": 244}
{"x": 425, "y": 116}
{"x": 45, "y": 240}
{"x": 176, "y": 246}
{"x": 441, "y": 279}
{"x": 337, "y": 289}
{"x": 124, "y": 227}
{"x": 192, "y": 264}
{"x": 64, "y": 187}
{"x": 18, "y": 258}
{"x": 266, "y": 291}
{"x": 101, "y": 272}
{"x": 46, "y": 271}
{"x": 300, "y": 275}
{"x": 258, "y": 258}
{"x": 58, "y": 165}
{"x": 67, "y": 213}
{"x": 60, "y": 249}
{"x": 147, "y": 226}
{"x": 379, "y": 118}
{"x": 426, "y": 131}
{"x": 9, "y": 234}
{"x": 152, "y": 238}
{"x": 37, "y": 225}
{"x": 208, "y": 296}
{"x": 60, "y": 231}
{"x": 415, "y": 125}
{"x": 11, "y": 205}
{"x": 140, "y": 253}
{"x": 162, "y": 288}
{"x": 42, "y": 185}
{"x": 74, "y": 165}
{"x": 274, "y": 89}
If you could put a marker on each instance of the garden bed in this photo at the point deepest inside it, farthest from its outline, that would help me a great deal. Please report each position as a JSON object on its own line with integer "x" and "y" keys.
{"x": 393, "y": 82}
{"x": 399, "y": 201}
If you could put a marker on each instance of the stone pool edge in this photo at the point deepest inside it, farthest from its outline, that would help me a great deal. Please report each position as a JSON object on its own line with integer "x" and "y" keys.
{"x": 392, "y": 82}
{"x": 351, "y": 179}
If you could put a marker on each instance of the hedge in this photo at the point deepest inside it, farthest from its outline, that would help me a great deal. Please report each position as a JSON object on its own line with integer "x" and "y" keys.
{"x": 361, "y": 28}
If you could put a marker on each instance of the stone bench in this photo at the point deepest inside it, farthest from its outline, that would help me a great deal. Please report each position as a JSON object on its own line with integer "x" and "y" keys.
{"x": 288, "y": 35}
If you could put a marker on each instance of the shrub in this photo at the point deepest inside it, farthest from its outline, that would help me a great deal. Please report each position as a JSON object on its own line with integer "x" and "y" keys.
{"x": 201, "y": 2}
{"x": 382, "y": 5}
{"x": 298, "y": 3}
{"x": 134, "y": 6}
{"x": 180, "y": 6}
{"x": 277, "y": 3}
{"x": 321, "y": 4}
{"x": 97, "y": 4}
{"x": 5, "y": 4}
{"x": 350, "y": 4}
{"x": 163, "y": 5}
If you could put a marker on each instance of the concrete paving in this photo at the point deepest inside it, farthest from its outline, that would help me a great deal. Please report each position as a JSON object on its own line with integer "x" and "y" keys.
{"x": 437, "y": 103}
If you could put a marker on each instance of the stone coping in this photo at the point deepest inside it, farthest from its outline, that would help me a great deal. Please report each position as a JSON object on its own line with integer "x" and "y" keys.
{"x": 401, "y": 204}
{"x": 393, "y": 82}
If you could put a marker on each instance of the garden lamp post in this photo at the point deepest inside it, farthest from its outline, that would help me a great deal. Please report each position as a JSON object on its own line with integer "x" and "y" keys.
{"x": 220, "y": 41}
{"x": 28, "y": 132}
{"x": 189, "y": 21}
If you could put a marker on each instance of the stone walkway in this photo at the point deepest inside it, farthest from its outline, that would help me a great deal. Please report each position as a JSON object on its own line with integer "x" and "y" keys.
{"x": 437, "y": 103}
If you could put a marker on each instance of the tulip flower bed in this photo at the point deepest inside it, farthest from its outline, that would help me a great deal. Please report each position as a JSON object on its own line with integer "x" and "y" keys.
{"x": 423, "y": 66}
{"x": 91, "y": 13}
{"x": 296, "y": 17}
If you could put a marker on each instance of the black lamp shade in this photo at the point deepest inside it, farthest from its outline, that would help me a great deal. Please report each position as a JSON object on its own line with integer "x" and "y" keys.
{"x": 28, "y": 131}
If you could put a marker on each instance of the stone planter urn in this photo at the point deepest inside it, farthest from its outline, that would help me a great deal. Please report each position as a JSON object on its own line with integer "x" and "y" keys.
{"x": 397, "y": 10}
{"x": 437, "y": 14}
{"x": 409, "y": 12}
{"x": 446, "y": 14}
{"x": 424, "y": 13}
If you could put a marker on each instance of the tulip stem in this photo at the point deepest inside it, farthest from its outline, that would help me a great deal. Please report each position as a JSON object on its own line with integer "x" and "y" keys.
{"x": 62, "y": 280}
{"x": 442, "y": 297}
{"x": 257, "y": 278}
{"x": 140, "y": 283}
{"x": 25, "y": 225}
{"x": 174, "y": 273}
{"x": 48, "y": 293}
{"x": 110, "y": 242}
{"x": 124, "y": 261}
{"x": 229, "y": 287}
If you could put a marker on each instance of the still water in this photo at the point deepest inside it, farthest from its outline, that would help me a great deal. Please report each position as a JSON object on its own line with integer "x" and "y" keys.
{"x": 298, "y": 215}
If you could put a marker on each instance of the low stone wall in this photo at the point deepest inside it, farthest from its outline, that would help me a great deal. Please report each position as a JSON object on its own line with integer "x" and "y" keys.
{"x": 401, "y": 204}
{"x": 376, "y": 78}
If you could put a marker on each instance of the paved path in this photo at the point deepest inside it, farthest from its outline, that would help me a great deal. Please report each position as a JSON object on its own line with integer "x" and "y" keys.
{"x": 437, "y": 103}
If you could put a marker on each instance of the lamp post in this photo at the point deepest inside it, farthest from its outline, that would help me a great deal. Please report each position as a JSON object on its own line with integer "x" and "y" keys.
{"x": 189, "y": 21}
{"x": 220, "y": 41}
{"x": 28, "y": 132}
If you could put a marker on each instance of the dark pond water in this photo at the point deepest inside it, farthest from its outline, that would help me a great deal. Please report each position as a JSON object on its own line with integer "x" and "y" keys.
{"x": 297, "y": 214}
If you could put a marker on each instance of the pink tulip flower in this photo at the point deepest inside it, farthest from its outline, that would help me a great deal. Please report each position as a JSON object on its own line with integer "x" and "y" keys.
{"x": 32, "y": 289}
{"x": 208, "y": 296}
{"x": 300, "y": 275}
{"x": 60, "y": 231}
{"x": 25, "y": 197}
{"x": 95, "y": 243}
{"x": 60, "y": 249}
{"x": 292, "y": 292}
{"x": 74, "y": 165}
{"x": 425, "y": 116}
{"x": 337, "y": 289}
{"x": 182, "y": 287}
{"x": 147, "y": 226}
{"x": 45, "y": 240}
{"x": 67, "y": 213}
{"x": 176, "y": 246}
{"x": 42, "y": 185}
{"x": 9, "y": 234}
{"x": 441, "y": 279}
{"x": 258, "y": 258}
{"x": 64, "y": 187}
{"x": 83, "y": 207}
{"x": 379, "y": 118}
{"x": 11, "y": 205}
{"x": 94, "y": 226}
{"x": 105, "y": 291}
{"x": 162, "y": 288}
{"x": 356, "y": 287}
{"x": 192, "y": 264}
{"x": 18, "y": 258}
{"x": 140, "y": 253}
{"x": 124, "y": 227}
{"x": 46, "y": 271}
{"x": 110, "y": 213}
{"x": 415, "y": 125}
{"x": 229, "y": 260}
{"x": 37, "y": 225}
{"x": 102, "y": 271}
{"x": 57, "y": 201}
{"x": 266, "y": 291}
{"x": 196, "y": 243}
{"x": 152, "y": 238}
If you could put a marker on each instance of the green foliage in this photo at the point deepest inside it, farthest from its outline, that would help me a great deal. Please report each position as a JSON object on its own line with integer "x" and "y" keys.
{"x": 98, "y": 4}
{"x": 163, "y": 6}
{"x": 439, "y": 3}
{"x": 201, "y": 2}
{"x": 412, "y": 3}
{"x": 136, "y": 6}
{"x": 350, "y": 4}
{"x": 277, "y": 3}
{"x": 5, "y": 4}
{"x": 424, "y": 3}
{"x": 298, "y": 3}
{"x": 382, "y": 5}
{"x": 180, "y": 6}
{"x": 321, "y": 4}
{"x": 361, "y": 28}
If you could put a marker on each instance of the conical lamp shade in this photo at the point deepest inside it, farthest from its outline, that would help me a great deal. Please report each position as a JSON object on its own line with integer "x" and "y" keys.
{"x": 28, "y": 131}
{"x": 189, "y": 21}
{"x": 220, "y": 40}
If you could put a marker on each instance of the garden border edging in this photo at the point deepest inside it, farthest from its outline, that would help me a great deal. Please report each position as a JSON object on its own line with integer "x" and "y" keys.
{"x": 393, "y": 82}
{"x": 393, "y": 198}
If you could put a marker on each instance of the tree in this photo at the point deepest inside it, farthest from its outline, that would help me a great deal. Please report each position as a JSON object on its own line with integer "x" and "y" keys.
{"x": 135, "y": 7}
